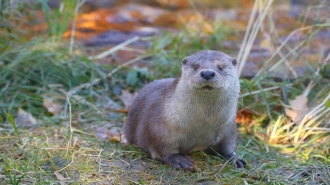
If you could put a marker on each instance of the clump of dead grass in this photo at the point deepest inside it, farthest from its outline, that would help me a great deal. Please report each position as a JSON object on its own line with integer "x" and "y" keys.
{"x": 305, "y": 120}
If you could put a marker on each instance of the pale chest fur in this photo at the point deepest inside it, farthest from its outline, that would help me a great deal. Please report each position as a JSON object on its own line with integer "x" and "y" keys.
{"x": 197, "y": 122}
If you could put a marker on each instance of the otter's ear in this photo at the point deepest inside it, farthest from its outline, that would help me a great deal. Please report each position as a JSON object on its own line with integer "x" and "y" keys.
{"x": 234, "y": 61}
{"x": 184, "y": 61}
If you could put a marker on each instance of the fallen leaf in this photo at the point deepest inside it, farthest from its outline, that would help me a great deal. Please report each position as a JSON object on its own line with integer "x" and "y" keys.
{"x": 244, "y": 117}
{"x": 52, "y": 107}
{"x": 114, "y": 134}
{"x": 24, "y": 119}
{"x": 127, "y": 98}
{"x": 298, "y": 108}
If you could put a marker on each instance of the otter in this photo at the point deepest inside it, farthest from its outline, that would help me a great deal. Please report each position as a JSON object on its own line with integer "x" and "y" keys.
{"x": 196, "y": 111}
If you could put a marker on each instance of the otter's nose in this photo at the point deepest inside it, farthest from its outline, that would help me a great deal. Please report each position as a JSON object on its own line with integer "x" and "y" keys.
{"x": 207, "y": 75}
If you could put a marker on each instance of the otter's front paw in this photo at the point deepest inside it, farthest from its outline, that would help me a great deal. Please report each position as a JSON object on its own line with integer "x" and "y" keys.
{"x": 239, "y": 163}
{"x": 180, "y": 162}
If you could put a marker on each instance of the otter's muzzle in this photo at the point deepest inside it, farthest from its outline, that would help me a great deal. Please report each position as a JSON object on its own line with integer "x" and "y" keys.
{"x": 207, "y": 75}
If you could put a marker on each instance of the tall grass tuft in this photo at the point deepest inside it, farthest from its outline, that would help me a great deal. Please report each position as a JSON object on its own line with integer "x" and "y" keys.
{"x": 266, "y": 96}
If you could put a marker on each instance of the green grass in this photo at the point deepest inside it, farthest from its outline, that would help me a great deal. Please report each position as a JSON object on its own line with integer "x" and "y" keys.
{"x": 40, "y": 152}
{"x": 63, "y": 147}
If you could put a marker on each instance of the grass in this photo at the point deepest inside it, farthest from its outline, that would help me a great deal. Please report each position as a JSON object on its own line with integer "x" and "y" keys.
{"x": 62, "y": 148}
{"x": 43, "y": 155}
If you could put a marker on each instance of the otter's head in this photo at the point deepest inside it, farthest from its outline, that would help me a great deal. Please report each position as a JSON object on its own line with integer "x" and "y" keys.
{"x": 210, "y": 71}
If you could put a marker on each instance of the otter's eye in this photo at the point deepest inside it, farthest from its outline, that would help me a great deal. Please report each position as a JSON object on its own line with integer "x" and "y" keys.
{"x": 184, "y": 61}
{"x": 195, "y": 66}
{"x": 221, "y": 67}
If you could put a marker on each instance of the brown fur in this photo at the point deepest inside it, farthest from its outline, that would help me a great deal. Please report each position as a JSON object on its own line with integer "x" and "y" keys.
{"x": 195, "y": 111}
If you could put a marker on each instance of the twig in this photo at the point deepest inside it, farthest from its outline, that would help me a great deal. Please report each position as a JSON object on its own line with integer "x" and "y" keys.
{"x": 97, "y": 80}
{"x": 70, "y": 114}
{"x": 99, "y": 161}
{"x": 70, "y": 125}
{"x": 112, "y": 50}
{"x": 60, "y": 178}
{"x": 141, "y": 51}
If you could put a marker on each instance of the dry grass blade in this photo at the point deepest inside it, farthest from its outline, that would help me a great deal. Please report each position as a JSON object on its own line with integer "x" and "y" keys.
{"x": 284, "y": 43}
{"x": 79, "y": 3}
{"x": 263, "y": 90}
{"x": 252, "y": 34}
{"x": 114, "y": 49}
{"x": 70, "y": 115}
{"x": 284, "y": 132}
{"x": 311, "y": 117}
